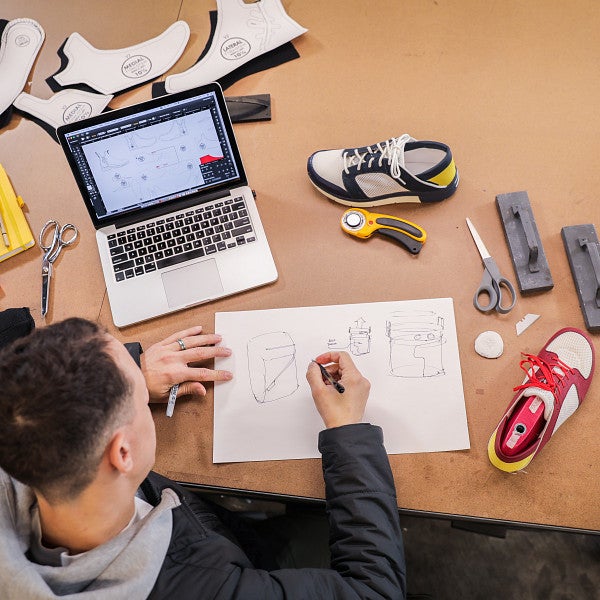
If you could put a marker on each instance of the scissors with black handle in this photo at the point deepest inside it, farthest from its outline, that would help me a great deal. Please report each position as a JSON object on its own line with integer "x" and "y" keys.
{"x": 492, "y": 282}
{"x": 59, "y": 237}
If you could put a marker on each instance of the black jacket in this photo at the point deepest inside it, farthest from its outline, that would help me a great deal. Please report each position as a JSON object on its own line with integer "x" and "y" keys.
{"x": 367, "y": 557}
{"x": 204, "y": 562}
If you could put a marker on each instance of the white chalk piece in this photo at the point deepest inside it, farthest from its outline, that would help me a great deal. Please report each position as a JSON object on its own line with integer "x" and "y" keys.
{"x": 489, "y": 344}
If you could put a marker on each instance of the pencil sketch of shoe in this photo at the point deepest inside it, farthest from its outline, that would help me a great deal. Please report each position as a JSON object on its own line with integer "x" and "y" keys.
{"x": 359, "y": 341}
{"x": 416, "y": 340}
{"x": 108, "y": 162}
{"x": 272, "y": 366}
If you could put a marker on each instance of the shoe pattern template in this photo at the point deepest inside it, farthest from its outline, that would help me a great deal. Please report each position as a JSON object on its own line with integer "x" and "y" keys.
{"x": 244, "y": 31}
{"x": 19, "y": 46}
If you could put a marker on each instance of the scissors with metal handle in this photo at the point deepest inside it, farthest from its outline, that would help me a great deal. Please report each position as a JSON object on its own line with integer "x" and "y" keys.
{"x": 492, "y": 282}
{"x": 56, "y": 234}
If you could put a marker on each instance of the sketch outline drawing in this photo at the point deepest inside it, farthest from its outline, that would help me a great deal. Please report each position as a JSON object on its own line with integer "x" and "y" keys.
{"x": 272, "y": 366}
{"x": 416, "y": 340}
{"x": 359, "y": 339}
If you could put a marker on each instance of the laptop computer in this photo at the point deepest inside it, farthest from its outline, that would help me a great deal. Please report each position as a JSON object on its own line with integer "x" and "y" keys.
{"x": 176, "y": 222}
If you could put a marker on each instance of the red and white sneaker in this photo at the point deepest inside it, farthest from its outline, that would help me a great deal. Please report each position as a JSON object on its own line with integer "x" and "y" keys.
{"x": 557, "y": 381}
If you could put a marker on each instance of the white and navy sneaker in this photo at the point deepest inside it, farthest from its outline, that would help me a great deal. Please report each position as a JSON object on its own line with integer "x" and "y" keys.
{"x": 400, "y": 169}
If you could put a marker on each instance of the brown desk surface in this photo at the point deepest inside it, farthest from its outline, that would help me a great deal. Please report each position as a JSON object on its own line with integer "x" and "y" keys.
{"x": 512, "y": 89}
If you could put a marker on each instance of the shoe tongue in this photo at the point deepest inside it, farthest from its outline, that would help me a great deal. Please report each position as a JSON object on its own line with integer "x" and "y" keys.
{"x": 546, "y": 396}
{"x": 352, "y": 159}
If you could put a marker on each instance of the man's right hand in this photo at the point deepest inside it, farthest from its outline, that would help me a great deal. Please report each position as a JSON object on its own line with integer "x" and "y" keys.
{"x": 338, "y": 409}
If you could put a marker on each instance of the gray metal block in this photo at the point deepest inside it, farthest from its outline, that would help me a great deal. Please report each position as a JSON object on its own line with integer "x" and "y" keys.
{"x": 256, "y": 107}
{"x": 526, "y": 250}
{"x": 583, "y": 251}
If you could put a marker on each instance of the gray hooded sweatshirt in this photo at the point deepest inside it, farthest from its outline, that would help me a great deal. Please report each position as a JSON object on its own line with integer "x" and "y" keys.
{"x": 124, "y": 567}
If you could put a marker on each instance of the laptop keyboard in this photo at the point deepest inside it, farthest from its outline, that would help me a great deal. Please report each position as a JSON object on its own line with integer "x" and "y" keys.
{"x": 167, "y": 241}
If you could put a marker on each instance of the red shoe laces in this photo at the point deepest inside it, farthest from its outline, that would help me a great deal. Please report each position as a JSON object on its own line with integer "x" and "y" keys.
{"x": 548, "y": 375}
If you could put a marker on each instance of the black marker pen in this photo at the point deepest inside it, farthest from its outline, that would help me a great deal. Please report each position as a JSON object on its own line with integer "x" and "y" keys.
{"x": 336, "y": 384}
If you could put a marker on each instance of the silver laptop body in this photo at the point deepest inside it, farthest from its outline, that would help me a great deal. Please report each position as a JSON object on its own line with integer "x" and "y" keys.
{"x": 164, "y": 184}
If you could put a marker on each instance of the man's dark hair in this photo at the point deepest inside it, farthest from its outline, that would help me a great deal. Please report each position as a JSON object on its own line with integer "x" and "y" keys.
{"x": 61, "y": 394}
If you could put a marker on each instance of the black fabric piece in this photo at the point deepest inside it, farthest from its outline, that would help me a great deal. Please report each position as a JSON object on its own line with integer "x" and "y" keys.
{"x": 5, "y": 117}
{"x": 159, "y": 89}
{"x": 272, "y": 58}
{"x": 45, "y": 126}
{"x": 213, "y": 15}
{"x": 7, "y": 114}
{"x": 54, "y": 85}
{"x": 15, "y": 323}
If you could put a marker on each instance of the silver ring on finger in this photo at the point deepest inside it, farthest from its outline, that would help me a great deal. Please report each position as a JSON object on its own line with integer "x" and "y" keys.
{"x": 181, "y": 344}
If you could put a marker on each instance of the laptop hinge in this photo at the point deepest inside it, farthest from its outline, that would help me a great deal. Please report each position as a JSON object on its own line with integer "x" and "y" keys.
{"x": 153, "y": 213}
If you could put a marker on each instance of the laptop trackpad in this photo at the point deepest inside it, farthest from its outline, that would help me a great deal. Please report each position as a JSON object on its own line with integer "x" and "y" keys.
{"x": 192, "y": 284}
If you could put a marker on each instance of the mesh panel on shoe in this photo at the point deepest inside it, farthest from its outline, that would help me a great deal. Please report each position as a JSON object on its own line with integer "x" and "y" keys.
{"x": 574, "y": 350}
{"x": 378, "y": 184}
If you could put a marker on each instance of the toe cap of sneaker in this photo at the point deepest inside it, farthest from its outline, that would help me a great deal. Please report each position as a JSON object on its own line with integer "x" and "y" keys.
{"x": 326, "y": 167}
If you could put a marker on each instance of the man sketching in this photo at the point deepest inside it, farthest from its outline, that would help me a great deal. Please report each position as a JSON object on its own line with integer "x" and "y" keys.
{"x": 83, "y": 516}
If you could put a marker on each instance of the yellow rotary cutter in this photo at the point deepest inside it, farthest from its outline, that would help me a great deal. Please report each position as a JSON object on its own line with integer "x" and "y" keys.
{"x": 363, "y": 224}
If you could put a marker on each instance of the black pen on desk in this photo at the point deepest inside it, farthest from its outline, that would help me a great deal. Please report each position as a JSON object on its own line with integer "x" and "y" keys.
{"x": 336, "y": 384}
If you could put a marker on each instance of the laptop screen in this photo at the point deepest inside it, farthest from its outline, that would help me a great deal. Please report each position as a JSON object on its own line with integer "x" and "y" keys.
{"x": 153, "y": 154}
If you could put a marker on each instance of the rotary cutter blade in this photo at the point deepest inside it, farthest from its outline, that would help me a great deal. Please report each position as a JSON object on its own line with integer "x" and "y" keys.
{"x": 363, "y": 224}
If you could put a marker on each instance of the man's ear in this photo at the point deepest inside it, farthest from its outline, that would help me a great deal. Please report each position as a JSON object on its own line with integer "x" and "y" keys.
{"x": 118, "y": 452}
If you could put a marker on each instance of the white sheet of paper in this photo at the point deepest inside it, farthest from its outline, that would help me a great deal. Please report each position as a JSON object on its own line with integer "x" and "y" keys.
{"x": 407, "y": 349}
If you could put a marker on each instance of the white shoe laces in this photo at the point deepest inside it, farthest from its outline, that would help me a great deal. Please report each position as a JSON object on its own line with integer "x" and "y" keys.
{"x": 392, "y": 150}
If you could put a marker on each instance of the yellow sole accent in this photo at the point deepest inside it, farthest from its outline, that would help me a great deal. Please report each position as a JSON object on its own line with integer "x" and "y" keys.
{"x": 500, "y": 464}
{"x": 446, "y": 177}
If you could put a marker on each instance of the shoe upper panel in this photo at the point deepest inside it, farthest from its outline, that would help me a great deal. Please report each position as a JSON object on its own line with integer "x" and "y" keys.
{"x": 328, "y": 165}
{"x": 569, "y": 406}
{"x": 573, "y": 349}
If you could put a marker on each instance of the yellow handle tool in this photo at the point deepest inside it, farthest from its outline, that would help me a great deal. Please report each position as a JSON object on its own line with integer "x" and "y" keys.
{"x": 363, "y": 224}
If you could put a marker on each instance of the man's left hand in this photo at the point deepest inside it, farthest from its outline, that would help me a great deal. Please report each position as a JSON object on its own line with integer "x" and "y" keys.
{"x": 166, "y": 363}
